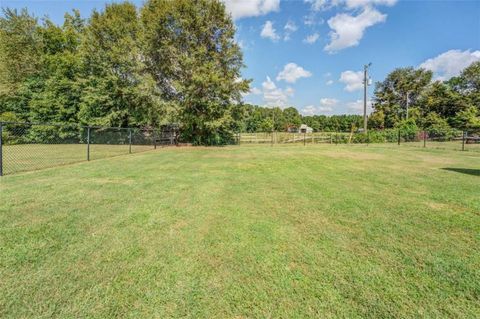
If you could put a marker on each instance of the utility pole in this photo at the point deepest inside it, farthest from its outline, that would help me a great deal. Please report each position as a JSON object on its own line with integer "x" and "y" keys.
{"x": 365, "y": 85}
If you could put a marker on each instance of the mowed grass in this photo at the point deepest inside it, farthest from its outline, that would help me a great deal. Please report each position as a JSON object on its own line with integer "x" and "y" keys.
{"x": 245, "y": 232}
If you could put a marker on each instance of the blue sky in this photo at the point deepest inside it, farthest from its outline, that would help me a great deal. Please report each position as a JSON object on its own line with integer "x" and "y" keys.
{"x": 309, "y": 54}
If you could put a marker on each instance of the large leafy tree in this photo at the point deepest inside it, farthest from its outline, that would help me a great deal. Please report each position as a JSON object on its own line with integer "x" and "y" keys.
{"x": 467, "y": 84}
{"x": 442, "y": 100}
{"x": 19, "y": 68}
{"x": 468, "y": 119}
{"x": 391, "y": 94}
{"x": 191, "y": 53}
{"x": 20, "y": 47}
{"x": 116, "y": 89}
{"x": 291, "y": 117}
{"x": 58, "y": 94}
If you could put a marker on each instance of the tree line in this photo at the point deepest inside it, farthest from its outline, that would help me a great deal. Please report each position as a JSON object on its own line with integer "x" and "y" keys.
{"x": 254, "y": 118}
{"x": 166, "y": 62}
{"x": 178, "y": 62}
{"x": 408, "y": 97}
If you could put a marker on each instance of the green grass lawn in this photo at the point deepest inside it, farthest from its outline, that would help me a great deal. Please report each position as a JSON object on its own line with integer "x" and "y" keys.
{"x": 245, "y": 232}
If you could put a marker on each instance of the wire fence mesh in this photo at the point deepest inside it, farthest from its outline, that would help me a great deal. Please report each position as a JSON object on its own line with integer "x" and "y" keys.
{"x": 27, "y": 146}
{"x": 448, "y": 139}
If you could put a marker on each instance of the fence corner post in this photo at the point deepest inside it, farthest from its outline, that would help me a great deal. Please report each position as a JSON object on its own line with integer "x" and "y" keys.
{"x": 88, "y": 143}
{"x": 1, "y": 149}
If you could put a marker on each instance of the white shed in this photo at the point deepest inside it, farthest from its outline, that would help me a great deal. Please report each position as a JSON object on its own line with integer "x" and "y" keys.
{"x": 304, "y": 128}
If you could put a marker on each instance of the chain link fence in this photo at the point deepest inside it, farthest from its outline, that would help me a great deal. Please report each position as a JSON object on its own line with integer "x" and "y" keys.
{"x": 27, "y": 146}
{"x": 447, "y": 139}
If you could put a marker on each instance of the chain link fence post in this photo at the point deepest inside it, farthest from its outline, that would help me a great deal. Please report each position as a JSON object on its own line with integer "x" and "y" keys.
{"x": 424, "y": 138}
{"x": 1, "y": 149}
{"x": 88, "y": 143}
{"x": 398, "y": 136}
{"x": 463, "y": 140}
{"x": 154, "y": 139}
{"x": 130, "y": 141}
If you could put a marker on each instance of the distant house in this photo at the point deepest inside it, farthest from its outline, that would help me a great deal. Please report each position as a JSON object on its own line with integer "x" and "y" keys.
{"x": 304, "y": 128}
{"x": 292, "y": 129}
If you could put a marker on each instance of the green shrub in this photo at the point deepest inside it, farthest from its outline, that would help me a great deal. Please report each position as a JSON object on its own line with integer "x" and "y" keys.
{"x": 437, "y": 127}
{"x": 408, "y": 130}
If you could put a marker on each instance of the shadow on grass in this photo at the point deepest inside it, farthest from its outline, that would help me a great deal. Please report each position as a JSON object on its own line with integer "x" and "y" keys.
{"x": 469, "y": 171}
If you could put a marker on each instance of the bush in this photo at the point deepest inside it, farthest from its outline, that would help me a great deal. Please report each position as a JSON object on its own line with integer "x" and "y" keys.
{"x": 408, "y": 130}
{"x": 380, "y": 136}
{"x": 438, "y": 128}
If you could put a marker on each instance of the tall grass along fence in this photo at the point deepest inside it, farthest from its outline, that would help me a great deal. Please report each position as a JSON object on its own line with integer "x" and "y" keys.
{"x": 28, "y": 146}
{"x": 448, "y": 139}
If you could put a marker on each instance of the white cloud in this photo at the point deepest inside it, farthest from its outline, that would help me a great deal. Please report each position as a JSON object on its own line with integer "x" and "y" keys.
{"x": 317, "y": 5}
{"x": 242, "y": 44}
{"x": 269, "y": 31}
{"x": 269, "y": 85}
{"x": 326, "y": 106}
{"x": 320, "y": 5}
{"x": 312, "y": 38}
{"x": 309, "y": 110}
{"x": 329, "y": 82}
{"x": 275, "y": 96}
{"x": 292, "y": 72}
{"x": 353, "y": 4}
{"x": 328, "y": 102}
{"x": 325, "y": 109}
{"x": 348, "y": 30}
{"x": 309, "y": 20}
{"x": 289, "y": 91}
{"x": 353, "y": 80}
{"x": 290, "y": 27}
{"x": 255, "y": 91}
{"x": 251, "y": 8}
{"x": 356, "y": 107}
{"x": 252, "y": 91}
{"x": 450, "y": 63}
